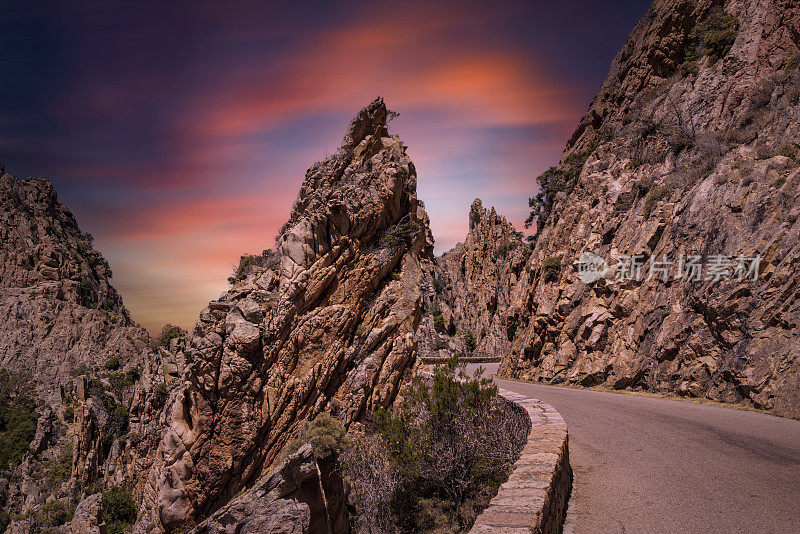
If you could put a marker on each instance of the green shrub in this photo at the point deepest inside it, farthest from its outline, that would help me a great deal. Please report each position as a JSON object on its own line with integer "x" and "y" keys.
{"x": 160, "y": 393}
{"x": 653, "y": 196}
{"x": 446, "y": 450}
{"x": 469, "y": 340}
{"x": 53, "y": 514}
{"x": 438, "y": 318}
{"x": 119, "y": 509}
{"x": 790, "y": 151}
{"x": 504, "y": 248}
{"x": 119, "y": 420}
{"x": 53, "y": 472}
{"x": 134, "y": 373}
{"x": 5, "y": 520}
{"x": 325, "y": 434}
{"x": 713, "y": 36}
{"x": 17, "y": 417}
{"x": 555, "y": 180}
{"x": 168, "y": 333}
{"x": 246, "y": 262}
{"x": 551, "y": 267}
{"x": 94, "y": 387}
{"x": 112, "y": 364}
{"x": 474, "y": 217}
{"x": 69, "y": 414}
{"x": 438, "y": 286}
{"x": 792, "y": 64}
{"x": 119, "y": 381}
{"x": 398, "y": 234}
{"x": 439, "y": 344}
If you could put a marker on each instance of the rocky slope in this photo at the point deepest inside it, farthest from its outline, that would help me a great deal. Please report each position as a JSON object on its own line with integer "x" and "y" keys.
{"x": 326, "y": 322}
{"x": 58, "y": 310}
{"x": 691, "y": 147}
{"x": 469, "y": 297}
{"x": 65, "y": 329}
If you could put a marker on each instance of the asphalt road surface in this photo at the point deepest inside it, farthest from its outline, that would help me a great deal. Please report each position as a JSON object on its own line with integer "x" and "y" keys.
{"x": 644, "y": 464}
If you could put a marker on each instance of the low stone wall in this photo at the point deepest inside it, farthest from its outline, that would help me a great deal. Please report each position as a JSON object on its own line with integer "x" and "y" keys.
{"x": 534, "y": 498}
{"x": 465, "y": 359}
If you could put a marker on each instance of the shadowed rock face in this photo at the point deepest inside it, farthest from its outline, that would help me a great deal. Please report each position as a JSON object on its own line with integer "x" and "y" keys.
{"x": 327, "y": 322}
{"x": 687, "y": 156}
{"x": 473, "y": 287}
{"x": 292, "y": 498}
{"x": 58, "y": 310}
{"x": 60, "y": 316}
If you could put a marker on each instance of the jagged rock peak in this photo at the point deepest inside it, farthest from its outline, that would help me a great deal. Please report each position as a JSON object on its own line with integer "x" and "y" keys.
{"x": 471, "y": 288}
{"x": 481, "y": 218}
{"x": 55, "y": 289}
{"x": 326, "y": 322}
{"x": 371, "y": 120}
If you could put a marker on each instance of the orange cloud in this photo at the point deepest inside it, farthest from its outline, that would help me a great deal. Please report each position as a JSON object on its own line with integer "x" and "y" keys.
{"x": 174, "y": 255}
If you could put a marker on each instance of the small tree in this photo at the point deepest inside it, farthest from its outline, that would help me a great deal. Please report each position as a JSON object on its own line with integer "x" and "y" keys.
{"x": 551, "y": 267}
{"x": 119, "y": 509}
{"x": 469, "y": 340}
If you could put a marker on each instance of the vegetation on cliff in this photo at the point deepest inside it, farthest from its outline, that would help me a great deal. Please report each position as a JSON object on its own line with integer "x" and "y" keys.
{"x": 432, "y": 463}
{"x": 17, "y": 417}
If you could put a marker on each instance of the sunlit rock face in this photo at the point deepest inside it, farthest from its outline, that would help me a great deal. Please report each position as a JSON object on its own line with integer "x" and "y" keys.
{"x": 690, "y": 148}
{"x": 326, "y": 322}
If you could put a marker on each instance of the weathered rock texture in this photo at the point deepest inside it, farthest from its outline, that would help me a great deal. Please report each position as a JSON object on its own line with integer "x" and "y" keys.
{"x": 683, "y": 155}
{"x": 327, "y": 322}
{"x": 58, "y": 310}
{"x": 60, "y": 317}
{"x": 292, "y": 498}
{"x": 471, "y": 290}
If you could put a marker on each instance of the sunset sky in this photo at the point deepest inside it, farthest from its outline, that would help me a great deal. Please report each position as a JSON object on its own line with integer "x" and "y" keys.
{"x": 179, "y": 133}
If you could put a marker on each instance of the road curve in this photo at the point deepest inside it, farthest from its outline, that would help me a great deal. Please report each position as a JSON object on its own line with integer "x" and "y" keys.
{"x": 651, "y": 465}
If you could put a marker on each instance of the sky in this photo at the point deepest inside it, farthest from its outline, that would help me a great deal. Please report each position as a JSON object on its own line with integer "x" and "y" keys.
{"x": 179, "y": 132}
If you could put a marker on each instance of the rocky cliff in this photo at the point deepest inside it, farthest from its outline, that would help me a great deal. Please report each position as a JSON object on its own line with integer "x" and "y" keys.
{"x": 690, "y": 149}
{"x": 58, "y": 311}
{"x": 470, "y": 294}
{"x": 64, "y": 328}
{"x": 326, "y": 322}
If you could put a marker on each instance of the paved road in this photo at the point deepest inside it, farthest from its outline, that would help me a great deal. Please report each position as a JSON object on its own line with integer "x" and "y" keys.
{"x": 650, "y": 465}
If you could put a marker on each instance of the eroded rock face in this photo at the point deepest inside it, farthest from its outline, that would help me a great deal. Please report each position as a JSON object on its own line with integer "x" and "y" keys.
{"x": 472, "y": 289}
{"x": 61, "y": 317}
{"x": 327, "y": 322}
{"x": 289, "y": 499}
{"x": 88, "y": 518}
{"x": 58, "y": 310}
{"x": 682, "y": 157}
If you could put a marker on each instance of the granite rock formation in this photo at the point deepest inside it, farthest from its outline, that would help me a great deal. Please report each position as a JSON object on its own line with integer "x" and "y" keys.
{"x": 64, "y": 324}
{"x": 58, "y": 310}
{"x": 327, "y": 321}
{"x": 690, "y": 148}
{"x": 470, "y": 294}
{"x": 295, "y": 497}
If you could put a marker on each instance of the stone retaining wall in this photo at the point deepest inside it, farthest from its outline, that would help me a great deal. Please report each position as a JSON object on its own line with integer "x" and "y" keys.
{"x": 465, "y": 359}
{"x": 534, "y": 498}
